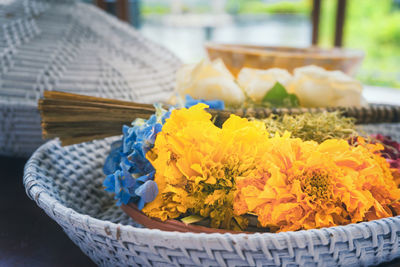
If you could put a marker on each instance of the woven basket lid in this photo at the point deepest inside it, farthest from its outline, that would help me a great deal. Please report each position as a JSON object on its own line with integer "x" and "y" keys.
{"x": 74, "y": 47}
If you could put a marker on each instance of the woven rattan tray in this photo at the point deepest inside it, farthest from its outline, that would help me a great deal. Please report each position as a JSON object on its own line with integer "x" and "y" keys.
{"x": 66, "y": 182}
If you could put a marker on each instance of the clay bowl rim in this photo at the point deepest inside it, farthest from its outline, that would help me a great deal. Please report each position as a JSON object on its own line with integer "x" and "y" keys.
{"x": 172, "y": 225}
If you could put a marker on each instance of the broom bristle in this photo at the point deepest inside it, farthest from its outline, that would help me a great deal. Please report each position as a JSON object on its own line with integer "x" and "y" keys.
{"x": 79, "y": 118}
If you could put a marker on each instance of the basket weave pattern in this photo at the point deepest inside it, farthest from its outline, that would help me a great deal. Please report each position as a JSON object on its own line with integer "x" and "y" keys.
{"x": 66, "y": 183}
{"x": 73, "y": 47}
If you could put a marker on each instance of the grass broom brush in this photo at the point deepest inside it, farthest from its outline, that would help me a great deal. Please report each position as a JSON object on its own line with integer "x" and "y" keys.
{"x": 78, "y": 118}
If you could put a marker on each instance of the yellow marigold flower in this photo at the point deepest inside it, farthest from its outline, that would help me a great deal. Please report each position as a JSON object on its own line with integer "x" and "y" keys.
{"x": 311, "y": 185}
{"x": 197, "y": 163}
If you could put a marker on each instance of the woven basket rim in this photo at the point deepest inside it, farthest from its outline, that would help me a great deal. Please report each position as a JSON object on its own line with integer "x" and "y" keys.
{"x": 339, "y": 54}
{"x": 323, "y": 235}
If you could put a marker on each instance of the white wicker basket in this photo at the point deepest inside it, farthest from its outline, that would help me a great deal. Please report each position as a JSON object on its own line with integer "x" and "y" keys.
{"x": 74, "y": 47}
{"x": 67, "y": 183}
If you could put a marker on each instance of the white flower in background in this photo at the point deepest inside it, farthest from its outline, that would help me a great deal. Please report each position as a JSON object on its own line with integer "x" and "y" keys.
{"x": 256, "y": 82}
{"x": 209, "y": 81}
{"x": 317, "y": 87}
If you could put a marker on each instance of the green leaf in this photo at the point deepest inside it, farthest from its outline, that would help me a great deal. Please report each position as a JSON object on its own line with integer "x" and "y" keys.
{"x": 279, "y": 97}
{"x": 192, "y": 219}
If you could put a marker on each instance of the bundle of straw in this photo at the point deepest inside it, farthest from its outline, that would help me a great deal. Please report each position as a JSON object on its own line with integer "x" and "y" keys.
{"x": 78, "y": 118}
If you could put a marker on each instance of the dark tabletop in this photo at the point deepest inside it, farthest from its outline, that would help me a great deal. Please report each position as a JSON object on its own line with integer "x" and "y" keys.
{"x": 28, "y": 237}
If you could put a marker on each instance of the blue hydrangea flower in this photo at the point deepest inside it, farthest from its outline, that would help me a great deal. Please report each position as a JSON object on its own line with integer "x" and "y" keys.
{"x": 129, "y": 174}
{"x": 213, "y": 104}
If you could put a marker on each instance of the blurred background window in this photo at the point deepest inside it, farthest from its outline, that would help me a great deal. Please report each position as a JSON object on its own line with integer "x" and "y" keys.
{"x": 185, "y": 25}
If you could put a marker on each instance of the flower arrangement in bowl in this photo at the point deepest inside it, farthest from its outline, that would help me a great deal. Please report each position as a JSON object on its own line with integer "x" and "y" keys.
{"x": 180, "y": 169}
{"x": 197, "y": 167}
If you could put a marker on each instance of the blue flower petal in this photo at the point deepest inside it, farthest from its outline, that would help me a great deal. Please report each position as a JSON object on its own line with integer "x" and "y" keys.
{"x": 152, "y": 119}
{"x": 130, "y": 182}
{"x": 117, "y": 182}
{"x": 140, "y": 204}
{"x": 112, "y": 161}
{"x": 166, "y": 116}
{"x": 213, "y": 104}
{"x": 109, "y": 183}
{"x": 157, "y": 129}
{"x": 123, "y": 198}
{"x": 148, "y": 191}
{"x": 145, "y": 178}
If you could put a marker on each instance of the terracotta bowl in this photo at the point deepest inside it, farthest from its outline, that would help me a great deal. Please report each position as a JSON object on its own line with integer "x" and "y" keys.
{"x": 175, "y": 225}
{"x": 264, "y": 57}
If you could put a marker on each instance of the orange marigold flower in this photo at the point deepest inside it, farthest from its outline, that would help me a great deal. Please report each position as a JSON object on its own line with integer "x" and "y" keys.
{"x": 313, "y": 185}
